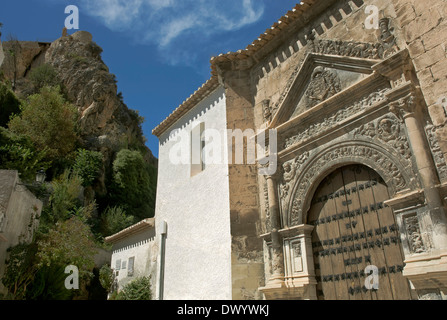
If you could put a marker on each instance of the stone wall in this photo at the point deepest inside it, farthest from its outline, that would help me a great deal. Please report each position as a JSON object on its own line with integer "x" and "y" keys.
{"x": 247, "y": 267}
{"x": 21, "y": 209}
{"x": 424, "y": 29}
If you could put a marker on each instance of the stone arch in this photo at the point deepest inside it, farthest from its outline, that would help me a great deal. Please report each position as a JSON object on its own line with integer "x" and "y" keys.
{"x": 394, "y": 173}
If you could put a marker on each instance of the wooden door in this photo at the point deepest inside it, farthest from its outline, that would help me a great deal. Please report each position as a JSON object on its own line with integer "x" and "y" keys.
{"x": 353, "y": 230}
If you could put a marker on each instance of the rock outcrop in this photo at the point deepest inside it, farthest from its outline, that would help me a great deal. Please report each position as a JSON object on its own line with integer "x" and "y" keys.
{"x": 106, "y": 123}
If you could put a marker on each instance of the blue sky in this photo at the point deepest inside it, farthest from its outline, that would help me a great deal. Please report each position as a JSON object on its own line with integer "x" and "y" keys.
{"x": 159, "y": 50}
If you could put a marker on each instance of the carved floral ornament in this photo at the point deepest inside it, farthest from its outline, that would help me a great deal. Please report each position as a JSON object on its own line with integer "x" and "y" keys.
{"x": 302, "y": 174}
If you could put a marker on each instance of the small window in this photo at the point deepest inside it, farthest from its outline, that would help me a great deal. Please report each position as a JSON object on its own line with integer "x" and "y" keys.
{"x": 130, "y": 266}
{"x": 123, "y": 265}
{"x": 197, "y": 149}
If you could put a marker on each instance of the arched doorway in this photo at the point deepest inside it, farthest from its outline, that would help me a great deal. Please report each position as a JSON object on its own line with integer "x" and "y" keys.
{"x": 353, "y": 230}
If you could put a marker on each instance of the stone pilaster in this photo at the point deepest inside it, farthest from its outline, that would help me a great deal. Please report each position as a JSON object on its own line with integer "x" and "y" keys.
{"x": 277, "y": 250}
{"x": 426, "y": 231}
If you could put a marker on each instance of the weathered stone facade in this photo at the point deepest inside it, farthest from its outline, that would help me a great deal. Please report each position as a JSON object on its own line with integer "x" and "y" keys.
{"x": 19, "y": 215}
{"x": 338, "y": 92}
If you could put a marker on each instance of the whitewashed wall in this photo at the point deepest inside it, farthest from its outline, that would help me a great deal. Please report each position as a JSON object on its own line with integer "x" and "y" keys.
{"x": 141, "y": 246}
{"x": 196, "y": 209}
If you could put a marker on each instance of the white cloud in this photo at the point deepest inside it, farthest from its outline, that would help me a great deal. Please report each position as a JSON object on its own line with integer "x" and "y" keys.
{"x": 164, "y": 22}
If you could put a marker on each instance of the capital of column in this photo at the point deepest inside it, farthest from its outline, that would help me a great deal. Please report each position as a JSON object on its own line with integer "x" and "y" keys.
{"x": 404, "y": 107}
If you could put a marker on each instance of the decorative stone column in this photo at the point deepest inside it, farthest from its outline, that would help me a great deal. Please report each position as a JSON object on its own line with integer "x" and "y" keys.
{"x": 425, "y": 225}
{"x": 292, "y": 273}
{"x": 277, "y": 248}
{"x": 406, "y": 109}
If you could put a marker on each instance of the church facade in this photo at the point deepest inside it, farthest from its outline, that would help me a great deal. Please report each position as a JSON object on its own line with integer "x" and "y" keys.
{"x": 355, "y": 94}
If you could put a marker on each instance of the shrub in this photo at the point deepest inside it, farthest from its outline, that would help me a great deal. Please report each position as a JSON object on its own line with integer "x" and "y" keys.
{"x": 138, "y": 289}
{"x": 70, "y": 242}
{"x": 9, "y": 104}
{"x": 133, "y": 184}
{"x": 88, "y": 165}
{"x": 44, "y": 76}
{"x": 49, "y": 121}
{"x": 106, "y": 277}
{"x": 65, "y": 197}
{"x": 20, "y": 270}
{"x": 115, "y": 219}
{"x": 18, "y": 153}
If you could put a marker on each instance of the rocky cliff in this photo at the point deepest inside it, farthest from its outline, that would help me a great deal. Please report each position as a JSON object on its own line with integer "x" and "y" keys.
{"x": 106, "y": 123}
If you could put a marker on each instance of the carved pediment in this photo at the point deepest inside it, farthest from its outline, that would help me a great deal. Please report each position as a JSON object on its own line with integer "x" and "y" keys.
{"x": 318, "y": 78}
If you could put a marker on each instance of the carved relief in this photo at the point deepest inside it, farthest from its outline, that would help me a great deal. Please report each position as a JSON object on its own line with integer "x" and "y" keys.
{"x": 331, "y": 120}
{"x": 268, "y": 225}
{"x": 290, "y": 168}
{"x": 323, "y": 85}
{"x": 414, "y": 235}
{"x": 388, "y": 130}
{"x": 436, "y": 151}
{"x": 297, "y": 256}
{"x": 267, "y": 110}
{"x": 383, "y": 49}
{"x": 358, "y": 153}
{"x": 387, "y": 38}
{"x": 403, "y": 107}
{"x": 346, "y": 48}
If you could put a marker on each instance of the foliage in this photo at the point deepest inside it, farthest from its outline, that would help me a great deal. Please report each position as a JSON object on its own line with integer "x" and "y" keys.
{"x": 9, "y": 104}
{"x": 18, "y": 153}
{"x": 106, "y": 277}
{"x": 115, "y": 219}
{"x": 44, "y": 76}
{"x": 69, "y": 243}
{"x": 49, "y": 121}
{"x": 133, "y": 184}
{"x": 88, "y": 165}
{"x": 20, "y": 269}
{"x": 49, "y": 284}
{"x": 65, "y": 197}
{"x": 138, "y": 289}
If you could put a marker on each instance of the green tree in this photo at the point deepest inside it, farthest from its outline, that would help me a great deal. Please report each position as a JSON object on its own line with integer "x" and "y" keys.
{"x": 49, "y": 284}
{"x": 42, "y": 76}
{"x": 49, "y": 121}
{"x": 70, "y": 242}
{"x": 20, "y": 270}
{"x": 65, "y": 197}
{"x": 115, "y": 219}
{"x": 88, "y": 165}
{"x": 17, "y": 152}
{"x": 9, "y": 104}
{"x": 133, "y": 184}
{"x": 106, "y": 277}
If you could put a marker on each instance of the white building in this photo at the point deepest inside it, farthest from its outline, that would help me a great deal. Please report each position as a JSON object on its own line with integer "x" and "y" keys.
{"x": 193, "y": 201}
{"x": 133, "y": 252}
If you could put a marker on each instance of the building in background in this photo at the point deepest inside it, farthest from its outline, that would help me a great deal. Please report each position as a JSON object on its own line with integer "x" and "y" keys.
{"x": 133, "y": 252}
{"x": 19, "y": 215}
